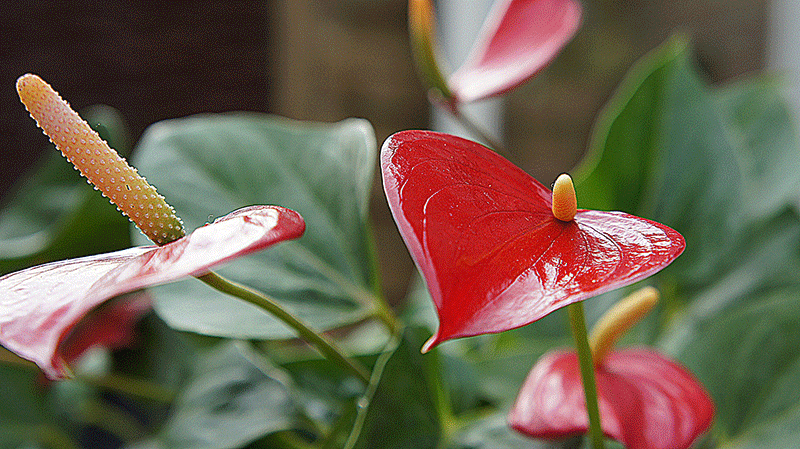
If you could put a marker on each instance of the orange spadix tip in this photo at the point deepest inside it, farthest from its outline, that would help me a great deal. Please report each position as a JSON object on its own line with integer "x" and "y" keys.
{"x": 565, "y": 203}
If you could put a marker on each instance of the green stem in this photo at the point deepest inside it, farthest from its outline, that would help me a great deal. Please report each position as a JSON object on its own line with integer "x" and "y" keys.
{"x": 578, "y": 324}
{"x": 372, "y": 387}
{"x": 324, "y": 345}
{"x": 384, "y": 313}
{"x": 471, "y": 126}
{"x": 130, "y": 386}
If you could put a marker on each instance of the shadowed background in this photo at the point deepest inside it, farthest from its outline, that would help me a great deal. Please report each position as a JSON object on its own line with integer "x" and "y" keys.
{"x": 328, "y": 60}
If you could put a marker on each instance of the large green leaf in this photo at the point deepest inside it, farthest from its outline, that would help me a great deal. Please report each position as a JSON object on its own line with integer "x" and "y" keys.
{"x": 718, "y": 165}
{"x": 209, "y": 165}
{"x": 749, "y": 359}
{"x": 232, "y": 399}
{"x": 54, "y": 214}
{"x": 699, "y": 160}
{"x": 404, "y": 408}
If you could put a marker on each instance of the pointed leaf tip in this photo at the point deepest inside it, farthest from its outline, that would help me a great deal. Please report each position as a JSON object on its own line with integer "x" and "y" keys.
{"x": 483, "y": 235}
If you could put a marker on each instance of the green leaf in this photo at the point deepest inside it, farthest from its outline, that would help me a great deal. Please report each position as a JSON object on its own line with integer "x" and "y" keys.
{"x": 749, "y": 359}
{"x": 493, "y": 432}
{"x": 718, "y": 165}
{"x": 404, "y": 407}
{"x": 616, "y": 170}
{"x": 699, "y": 160}
{"x": 54, "y": 214}
{"x": 27, "y": 417}
{"x": 233, "y": 398}
{"x": 209, "y": 165}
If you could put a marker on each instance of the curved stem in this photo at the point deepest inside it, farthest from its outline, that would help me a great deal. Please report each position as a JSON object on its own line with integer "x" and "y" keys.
{"x": 384, "y": 313}
{"x": 135, "y": 387}
{"x": 130, "y": 386}
{"x": 578, "y": 324}
{"x": 324, "y": 345}
{"x": 470, "y": 125}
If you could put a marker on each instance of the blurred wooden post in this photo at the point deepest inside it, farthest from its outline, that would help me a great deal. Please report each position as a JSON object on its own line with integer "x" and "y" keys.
{"x": 783, "y": 41}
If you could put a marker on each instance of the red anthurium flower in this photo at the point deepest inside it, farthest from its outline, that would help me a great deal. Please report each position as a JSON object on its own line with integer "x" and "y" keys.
{"x": 483, "y": 234}
{"x": 518, "y": 39}
{"x": 646, "y": 400}
{"x": 39, "y": 306}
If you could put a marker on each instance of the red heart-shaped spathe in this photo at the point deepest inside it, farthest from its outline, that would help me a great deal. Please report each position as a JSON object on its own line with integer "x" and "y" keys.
{"x": 518, "y": 39}
{"x": 483, "y": 235}
{"x": 39, "y": 306}
{"x": 646, "y": 400}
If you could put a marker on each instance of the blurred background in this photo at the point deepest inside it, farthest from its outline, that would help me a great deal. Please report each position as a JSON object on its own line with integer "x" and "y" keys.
{"x": 327, "y": 60}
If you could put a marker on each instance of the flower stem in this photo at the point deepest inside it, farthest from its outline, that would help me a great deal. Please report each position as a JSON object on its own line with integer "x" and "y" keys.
{"x": 324, "y": 345}
{"x": 454, "y": 109}
{"x": 479, "y": 132}
{"x": 578, "y": 324}
{"x": 130, "y": 386}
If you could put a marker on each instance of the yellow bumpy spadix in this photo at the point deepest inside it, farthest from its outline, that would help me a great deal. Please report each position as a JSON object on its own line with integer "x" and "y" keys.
{"x": 619, "y": 319}
{"x": 98, "y": 162}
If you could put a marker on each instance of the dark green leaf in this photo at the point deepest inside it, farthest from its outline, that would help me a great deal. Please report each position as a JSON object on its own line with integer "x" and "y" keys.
{"x": 749, "y": 359}
{"x": 207, "y": 166}
{"x": 617, "y": 168}
{"x": 718, "y": 165}
{"x": 233, "y": 398}
{"x": 699, "y": 160}
{"x": 403, "y": 409}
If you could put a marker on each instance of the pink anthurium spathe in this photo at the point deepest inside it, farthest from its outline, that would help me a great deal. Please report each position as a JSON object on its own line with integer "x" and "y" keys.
{"x": 485, "y": 238}
{"x": 518, "y": 39}
{"x": 39, "y": 306}
{"x": 646, "y": 400}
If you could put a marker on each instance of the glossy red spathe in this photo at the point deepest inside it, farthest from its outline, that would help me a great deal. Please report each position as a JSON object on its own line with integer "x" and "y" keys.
{"x": 518, "y": 39}
{"x": 39, "y": 306}
{"x": 483, "y": 235}
{"x": 646, "y": 400}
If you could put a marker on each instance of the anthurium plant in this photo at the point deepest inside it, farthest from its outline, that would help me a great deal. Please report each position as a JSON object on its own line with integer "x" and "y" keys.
{"x": 647, "y": 299}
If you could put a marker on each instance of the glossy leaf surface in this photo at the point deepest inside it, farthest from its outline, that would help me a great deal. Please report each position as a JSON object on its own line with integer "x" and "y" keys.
{"x": 210, "y": 164}
{"x": 483, "y": 235}
{"x": 646, "y": 400}
{"x": 40, "y": 305}
{"x": 518, "y": 39}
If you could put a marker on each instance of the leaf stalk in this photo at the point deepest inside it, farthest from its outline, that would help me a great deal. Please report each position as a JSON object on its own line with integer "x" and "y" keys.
{"x": 320, "y": 342}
